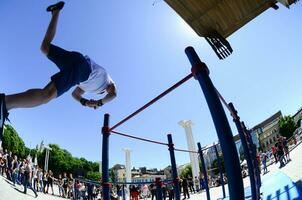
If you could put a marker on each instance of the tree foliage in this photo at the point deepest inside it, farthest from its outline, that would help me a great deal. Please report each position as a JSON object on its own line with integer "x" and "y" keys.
{"x": 216, "y": 167}
{"x": 12, "y": 142}
{"x": 95, "y": 176}
{"x": 241, "y": 153}
{"x": 287, "y": 126}
{"x": 60, "y": 160}
{"x": 187, "y": 171}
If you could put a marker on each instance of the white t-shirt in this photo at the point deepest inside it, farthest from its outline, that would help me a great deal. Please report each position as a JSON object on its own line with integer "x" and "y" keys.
{"x": 98, "y": 79}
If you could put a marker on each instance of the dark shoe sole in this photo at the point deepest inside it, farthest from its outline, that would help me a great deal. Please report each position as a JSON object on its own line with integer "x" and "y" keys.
{"x": 57, "y": 6}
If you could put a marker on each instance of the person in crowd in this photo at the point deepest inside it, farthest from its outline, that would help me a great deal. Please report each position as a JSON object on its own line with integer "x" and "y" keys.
{"x": 286, "y": 149}
{"x": 191, "y": 184}
{"x": 280, "y": 153}
{"x": 77, "y": 187}
{"x": 45, "y": 181}
{"x": 153, "y": 190}
{"x": 40, "y": 179}
{"x": 50, "y": 180}
{"x": 201, "y": 182}
{"x": 70, "y": 186}
{"x": 243, "y": 172}
{"x": 35, "y": 177}
{"x": 196, "y": 181}
{"x": 21, "y": 171}
{"x": 180, "y": 185}
{"x": 2, "y": 164}
{"x": 60, "y": 186}
{"x": 225, "y": 179}
{"x": 145, "y": 192}
{"x": 274, "y": 152}
{"x": 185, "y": 188}
{"x": 15, "y": 172}
{"x": 90, "y": 188}
{"x": 9, "y": 164}
{"x": 83, "y": 190}
{"x": 134, "y": 192}
{"x": 118, "y": 191}
{"x": 170, "y": 190}
{"x": 164, "y": 191}
{"x": 65, "y": 184}
{"x": 28, "y": 178}
{"x": 264, "y": 160}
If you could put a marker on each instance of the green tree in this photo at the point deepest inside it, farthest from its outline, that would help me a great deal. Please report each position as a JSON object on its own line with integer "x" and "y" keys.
{"x": 60, "y": 160}
{"x": 187, "y": 171}
{"x": 241, "y": 153}
{"x": 215, "y": 165}
{"x": 287, "y": 126}
{"x": 12, "y": 142}
{"x": 95, "y": 176}
{"x": 112, "y": 176}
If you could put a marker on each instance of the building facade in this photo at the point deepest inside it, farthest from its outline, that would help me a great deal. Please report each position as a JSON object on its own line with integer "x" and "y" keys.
{"x": 298, "y": 117}
{"x": 268, "y": 131}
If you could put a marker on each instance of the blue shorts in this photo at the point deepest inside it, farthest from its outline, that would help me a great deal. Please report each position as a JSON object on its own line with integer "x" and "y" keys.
{"x": 74, "y": 68}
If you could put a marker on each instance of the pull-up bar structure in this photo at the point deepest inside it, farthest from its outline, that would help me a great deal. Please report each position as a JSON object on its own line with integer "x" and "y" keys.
{"x": 232, "y": 166}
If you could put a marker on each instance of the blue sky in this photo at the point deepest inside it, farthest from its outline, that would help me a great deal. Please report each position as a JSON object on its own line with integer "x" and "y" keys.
{"x": 142, "y": 47}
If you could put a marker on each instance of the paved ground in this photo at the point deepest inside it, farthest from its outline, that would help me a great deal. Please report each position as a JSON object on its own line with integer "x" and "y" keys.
{"x": 10, "y": 192}
{"x": 293, "y": 169}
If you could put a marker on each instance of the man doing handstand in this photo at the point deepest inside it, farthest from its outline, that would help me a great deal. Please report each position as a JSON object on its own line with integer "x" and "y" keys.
{"x": 75, "y": 70}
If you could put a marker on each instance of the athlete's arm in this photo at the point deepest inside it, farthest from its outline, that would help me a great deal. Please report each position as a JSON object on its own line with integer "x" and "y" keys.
{"x": 111, "y": 94}
{"x": 77, "y": 94}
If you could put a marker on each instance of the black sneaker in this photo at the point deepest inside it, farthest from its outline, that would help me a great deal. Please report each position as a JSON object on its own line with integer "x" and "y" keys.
{"x": 3, "y": 113}
{"x": 57, "y": 6}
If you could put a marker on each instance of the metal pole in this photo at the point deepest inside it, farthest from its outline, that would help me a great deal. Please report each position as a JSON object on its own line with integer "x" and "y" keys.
{"x": 220, "y": 170}
{"x": 246, "y": 150}
{"x": 174, "y": 167}
{"x": 123, "y": 193}
{"x": 253, "y": 153}
{"x": 224, "y": 133}
{"x": 105, "y": 158}
{"x": 204, "y": 171}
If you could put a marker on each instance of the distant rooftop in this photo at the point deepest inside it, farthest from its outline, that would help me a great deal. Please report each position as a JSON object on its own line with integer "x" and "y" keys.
{"x": 268, "y": 120}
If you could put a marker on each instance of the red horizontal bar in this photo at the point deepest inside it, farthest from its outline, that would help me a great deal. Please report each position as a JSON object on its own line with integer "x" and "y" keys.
{"x": 152, "y": 101}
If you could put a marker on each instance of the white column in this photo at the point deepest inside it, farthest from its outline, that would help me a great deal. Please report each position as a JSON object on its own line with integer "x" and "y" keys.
{"x": 46, "y": 160}
{"x": 187, "y": 125}
{"x": 47, "y": 149}
{"x": 128, "y": 170}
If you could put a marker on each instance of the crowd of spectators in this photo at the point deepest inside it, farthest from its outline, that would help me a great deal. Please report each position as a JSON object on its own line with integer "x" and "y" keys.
{"x": 187, "y": 186}
{"x": 279, "y": 153}
{"x": 24, "y": 173}
{"x": 33, "y": 177}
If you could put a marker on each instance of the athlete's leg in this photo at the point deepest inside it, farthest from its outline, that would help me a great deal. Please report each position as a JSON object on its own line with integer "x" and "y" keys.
{"x": 31, "y": 98}
{"x": 51, "y": 31}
